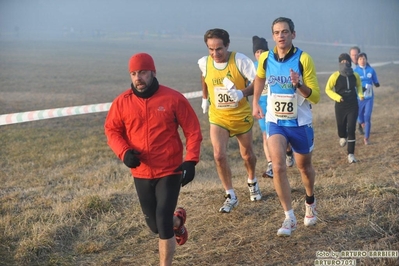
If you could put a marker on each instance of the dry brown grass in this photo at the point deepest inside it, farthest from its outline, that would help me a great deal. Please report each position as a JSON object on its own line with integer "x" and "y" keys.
{"x": 65, "y": 199}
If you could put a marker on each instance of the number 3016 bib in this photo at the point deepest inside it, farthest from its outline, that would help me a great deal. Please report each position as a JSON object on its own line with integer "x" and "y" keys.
{"x": 285, "y": 106}
{"x": 222, "y": 99}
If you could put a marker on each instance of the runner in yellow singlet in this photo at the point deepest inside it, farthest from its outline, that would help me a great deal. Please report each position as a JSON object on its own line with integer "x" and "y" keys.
{"x": 225, "y": 76}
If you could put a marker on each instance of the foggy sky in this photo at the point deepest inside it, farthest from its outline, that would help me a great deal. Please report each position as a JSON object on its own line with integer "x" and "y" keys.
{"x": 370, "y": 22}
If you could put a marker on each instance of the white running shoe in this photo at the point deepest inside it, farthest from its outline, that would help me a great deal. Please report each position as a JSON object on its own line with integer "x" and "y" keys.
{"x": 351, "y": 158}
{"x": 228, "y": 204}
{"x": 289, "y": 225}
{"x": 342, "y": 142}
{"x": 289, "y": 160}
{"x": 269, "y": 171}
{"x": 254, "y": 191}
{"x": 310, "y": 214}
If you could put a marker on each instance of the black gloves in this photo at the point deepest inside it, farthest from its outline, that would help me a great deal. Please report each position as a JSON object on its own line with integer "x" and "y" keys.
{"x": 130, "y": 159}
{"x": 188, "y": 172}
{"x": 187, "y": 168}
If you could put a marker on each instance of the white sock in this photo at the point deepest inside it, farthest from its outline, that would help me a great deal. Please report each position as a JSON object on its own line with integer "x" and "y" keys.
{"x": 290, "y": 214}
{"x": 253, "y": 180}
{"x": 231, "y": 192}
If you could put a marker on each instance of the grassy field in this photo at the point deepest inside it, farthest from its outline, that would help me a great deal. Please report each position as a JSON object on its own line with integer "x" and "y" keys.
{"x": 65, "y": 199}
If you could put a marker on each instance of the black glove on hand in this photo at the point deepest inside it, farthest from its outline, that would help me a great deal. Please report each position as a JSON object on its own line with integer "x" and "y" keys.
{"x": 188, "y": 172}
{"x": 130, "y": 159}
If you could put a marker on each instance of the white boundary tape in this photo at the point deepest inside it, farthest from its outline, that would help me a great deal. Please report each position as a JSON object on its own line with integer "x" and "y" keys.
{"x": 52, "y": 113}
{"x": 16, "y": 118}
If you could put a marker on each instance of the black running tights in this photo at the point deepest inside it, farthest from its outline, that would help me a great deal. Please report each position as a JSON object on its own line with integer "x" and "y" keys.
{"x": 158, "y": 200}
{"x": 346, "y": 124}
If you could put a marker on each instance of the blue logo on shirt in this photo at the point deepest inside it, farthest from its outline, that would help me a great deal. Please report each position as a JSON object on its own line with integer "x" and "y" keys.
{"x": 282, "y": 81}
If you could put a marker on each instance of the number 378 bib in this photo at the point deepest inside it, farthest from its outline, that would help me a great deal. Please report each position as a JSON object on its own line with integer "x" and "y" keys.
{"x": 285, "y": 106}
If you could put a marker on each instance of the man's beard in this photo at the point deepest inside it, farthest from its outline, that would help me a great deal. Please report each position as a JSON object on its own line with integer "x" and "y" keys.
{"x": 148, "y": 90}
{"x": 146, "y": 85}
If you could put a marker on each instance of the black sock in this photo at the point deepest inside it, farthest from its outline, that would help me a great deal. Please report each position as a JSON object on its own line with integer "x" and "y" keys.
{"x": 289, "y": 153}
{"x": 309, "y": 200}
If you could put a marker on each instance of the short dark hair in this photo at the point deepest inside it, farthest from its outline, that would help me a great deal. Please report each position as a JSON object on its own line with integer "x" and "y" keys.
{"x": 217, "y": 33}
{"x": 355, "y": 48}
{"x": 286, "y": 20}
{"x": 362, "y": 55}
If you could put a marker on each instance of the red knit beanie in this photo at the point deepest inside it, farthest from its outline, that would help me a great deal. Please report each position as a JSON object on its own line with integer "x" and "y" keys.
{"x": 141, "y": 61}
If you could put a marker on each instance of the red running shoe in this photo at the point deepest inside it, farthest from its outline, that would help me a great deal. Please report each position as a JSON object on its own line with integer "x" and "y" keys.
{"x": 181, "y": 233}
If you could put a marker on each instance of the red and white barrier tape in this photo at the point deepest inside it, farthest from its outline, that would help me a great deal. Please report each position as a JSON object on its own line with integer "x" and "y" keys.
{"x": 66, "y": 111}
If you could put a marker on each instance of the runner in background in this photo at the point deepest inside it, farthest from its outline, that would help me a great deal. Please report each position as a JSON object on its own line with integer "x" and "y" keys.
{"x": 354, "y": 52}
{"x": 369, "y": 78}
{"x": 344, "y": 88}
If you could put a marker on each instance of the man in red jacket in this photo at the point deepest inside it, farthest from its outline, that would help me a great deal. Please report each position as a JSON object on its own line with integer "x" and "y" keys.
{"x": 142, "y": 130}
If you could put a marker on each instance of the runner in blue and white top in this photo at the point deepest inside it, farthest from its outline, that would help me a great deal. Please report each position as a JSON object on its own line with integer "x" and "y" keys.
{"x": 369, "y": 79}
{"x": 293, "y": 87}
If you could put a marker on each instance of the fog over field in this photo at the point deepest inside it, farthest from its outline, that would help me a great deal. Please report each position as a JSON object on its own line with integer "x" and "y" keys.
{"x": 66, "y": 199}
{"x": 363, "y": 22}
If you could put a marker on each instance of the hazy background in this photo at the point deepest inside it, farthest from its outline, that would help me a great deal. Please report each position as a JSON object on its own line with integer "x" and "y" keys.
{"x": 362, "y": 22}
{"x": 66, "y": 199}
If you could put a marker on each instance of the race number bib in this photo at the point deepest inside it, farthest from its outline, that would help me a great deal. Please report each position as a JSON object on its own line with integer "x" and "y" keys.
{"x": 285, "y": 106}
{"x": 222, "y": 99}
{"x": 368, "y": 93}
